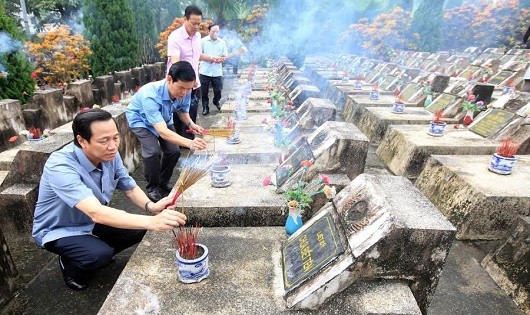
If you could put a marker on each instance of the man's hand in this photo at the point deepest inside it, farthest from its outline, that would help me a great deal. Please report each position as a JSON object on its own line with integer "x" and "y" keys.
{"x": 197, "y": 144}
{"x": 166, "y": 220}
{"x": 160, "y": 205}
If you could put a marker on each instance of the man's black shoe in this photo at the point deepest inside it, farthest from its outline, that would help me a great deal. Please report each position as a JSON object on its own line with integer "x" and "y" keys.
{"x": 218, "y": 106}
{"x": 69, "y": 280}
{"x": 154, "y": 195}
{"x": 166, "y": 188}
{"x": 205, "y": 111}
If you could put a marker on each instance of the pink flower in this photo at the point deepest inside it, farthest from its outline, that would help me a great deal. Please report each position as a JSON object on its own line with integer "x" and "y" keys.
{"x": 264, "y": 120}
{"x": 13, "y": 139}
{"x": 471, "y": 97}
{"x": 325, "y": 179}
{"x": 267, "y": 180}
{"x": 306, "y": 163}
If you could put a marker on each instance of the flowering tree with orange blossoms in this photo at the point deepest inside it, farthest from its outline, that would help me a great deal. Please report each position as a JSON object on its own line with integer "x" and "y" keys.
{"x": 455, "y": 21}
{"x": 387, "y": 31}
{"x": 60, "y": 56}
{"x": 493, "y": 25}
{"x": 252, "y": 25}
{"x": 177, "y": 22}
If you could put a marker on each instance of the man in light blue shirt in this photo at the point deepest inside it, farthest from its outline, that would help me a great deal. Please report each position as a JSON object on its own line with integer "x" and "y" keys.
{"x": 212, "y": 71}
{"x": 72, "y": 218}
{"x": 150, "y": 117}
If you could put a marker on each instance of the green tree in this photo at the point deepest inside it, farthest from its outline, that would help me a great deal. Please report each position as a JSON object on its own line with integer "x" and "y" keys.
{"x": 114, "y": 42}
{"x": 18, "y": 83}
{"x": 145, "y": 27}
{"x": 427, "y": 24}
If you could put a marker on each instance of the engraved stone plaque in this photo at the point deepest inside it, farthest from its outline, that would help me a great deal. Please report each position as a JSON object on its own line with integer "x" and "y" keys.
{"x": 410, "y": 91}
{"x": 500, "y": 77}
{"x": 304, "y": 255}
{"x": 469, "y": 71}
{"x": 441, "y": 102}
{"x": 491, "y": 123}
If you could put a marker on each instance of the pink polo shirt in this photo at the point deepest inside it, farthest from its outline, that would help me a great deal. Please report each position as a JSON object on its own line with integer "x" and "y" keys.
{"x": 179, "y": 43}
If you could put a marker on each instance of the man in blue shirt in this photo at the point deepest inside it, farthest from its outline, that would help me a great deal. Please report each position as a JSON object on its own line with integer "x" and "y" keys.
{"x": 72, "y": 218}
{"x": 212, "y": 71}
{"x": 150, "y": 117}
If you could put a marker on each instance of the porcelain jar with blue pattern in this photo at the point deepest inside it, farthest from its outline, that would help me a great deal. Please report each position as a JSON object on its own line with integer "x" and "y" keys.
{"x": 436, "y": 129}
{"x": 398, "y": 108}
{"x": 193, "y": 270}
{"x": 502, "y": 165}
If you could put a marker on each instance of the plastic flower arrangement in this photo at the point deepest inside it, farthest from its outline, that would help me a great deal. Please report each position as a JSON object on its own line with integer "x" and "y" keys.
{"x": 471, "y": 105}
{"x": 300, "y": 195}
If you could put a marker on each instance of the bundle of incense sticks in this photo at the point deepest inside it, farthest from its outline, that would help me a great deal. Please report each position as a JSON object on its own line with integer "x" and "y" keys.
{"x": 194, "y": 169}
{"x": 217, "y": 132}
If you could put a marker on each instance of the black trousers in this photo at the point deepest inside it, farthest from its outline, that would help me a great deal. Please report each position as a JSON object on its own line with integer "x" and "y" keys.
{"x": 159, "y": 157}
{"x": 217, "y": 86}
{"x": 84, "y": 254}
{"x": 180, "y": 127}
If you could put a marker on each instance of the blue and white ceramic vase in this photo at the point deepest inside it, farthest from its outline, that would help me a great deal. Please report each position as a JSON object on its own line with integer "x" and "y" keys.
{"x": 358, "y": 85}
{"x": 220, "y": 176}
{"x": 436, "y": 129}
{"x": 502, "y": 165}
{"x": 193, "y": 270}
{"x": 294, "y": 221}
{"x": 374, "y": 95}
{"x": 398, "y": 108}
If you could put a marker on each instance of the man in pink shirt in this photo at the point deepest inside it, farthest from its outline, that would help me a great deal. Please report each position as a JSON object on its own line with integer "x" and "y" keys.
{"x": 184, "y": 43}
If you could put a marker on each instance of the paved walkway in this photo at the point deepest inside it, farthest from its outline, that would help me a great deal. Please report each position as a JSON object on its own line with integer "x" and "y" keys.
{"x": 464, "y": 287}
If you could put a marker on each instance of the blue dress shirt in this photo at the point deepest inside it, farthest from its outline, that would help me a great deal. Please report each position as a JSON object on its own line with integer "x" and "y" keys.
{"x": 69, "y": 177}
{"x": 152, "y": 104}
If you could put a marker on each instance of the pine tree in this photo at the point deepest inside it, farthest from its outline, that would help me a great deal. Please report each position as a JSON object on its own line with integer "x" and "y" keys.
{"x": 426, "y": 25}
{"x": 114, "y": 41}
{"x": 18, "y": 84}
{"x": 144, "y": 23}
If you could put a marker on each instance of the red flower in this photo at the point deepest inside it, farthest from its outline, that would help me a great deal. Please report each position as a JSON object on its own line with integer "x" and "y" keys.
{"x": 34, "y": 75}
{"x": 471, "y": 97}
{"x": 267, "y": 180}
{"x": 13, "y": 139}
{"x": 325, "y": 179}
{"x": 306, "y": 163}
{"x": 269, "y": 101}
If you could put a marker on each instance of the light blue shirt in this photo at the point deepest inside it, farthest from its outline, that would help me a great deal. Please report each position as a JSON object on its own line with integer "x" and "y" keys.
{"x": 69, "y": 177}
{"x": 212, "y": 48}
{"x": 152, "y": 104}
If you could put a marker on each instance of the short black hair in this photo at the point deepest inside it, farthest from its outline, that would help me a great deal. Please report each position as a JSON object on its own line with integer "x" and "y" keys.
{"x": 182, "y": 71}
{"x": 192, "y": 9}
{"x": 83, "y": 121}
{"x": 210, "y": 26}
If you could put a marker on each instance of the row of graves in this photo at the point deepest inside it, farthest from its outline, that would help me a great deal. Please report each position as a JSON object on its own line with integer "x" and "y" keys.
{"x": 377, "y": 246}
{"x": 482, "y": 99}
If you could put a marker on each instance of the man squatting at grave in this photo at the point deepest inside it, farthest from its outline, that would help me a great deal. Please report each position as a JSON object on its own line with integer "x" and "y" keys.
{"x": 72, "y": 217}
{"x": 150, "y": 117}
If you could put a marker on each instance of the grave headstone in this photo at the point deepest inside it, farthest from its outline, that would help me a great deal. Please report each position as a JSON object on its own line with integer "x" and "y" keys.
{"x": 483, "y": 92}
{"x": 442, "y": 102}
{"x": 501, "y": 76}
{"x": 491, "y": 122}
{"x": 440, "y": 83}
{"x": 105, "y": 83}
{"x": 292, "y": 164}
{"x": 316, "y": 111}
{"x": 7, "y": 272}
{"x": 303, "y": 92}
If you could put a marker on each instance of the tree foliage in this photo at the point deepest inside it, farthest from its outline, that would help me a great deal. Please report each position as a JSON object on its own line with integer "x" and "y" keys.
{"x": 18, "y": 83}
{"x": 60, "y": 56}
{"x": 114, "y": 42}
{"x": 145, "y": 27}
{"x": 426, "y": 25}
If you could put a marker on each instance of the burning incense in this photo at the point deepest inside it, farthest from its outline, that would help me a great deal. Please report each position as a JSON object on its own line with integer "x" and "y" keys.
{"x": 217, "y": 132}
{"x": 186, "y": 241}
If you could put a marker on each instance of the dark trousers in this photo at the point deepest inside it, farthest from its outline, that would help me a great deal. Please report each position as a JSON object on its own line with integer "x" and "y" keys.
{"x": 83, "y": 254}
{"x": 180, "y": 127}
{"x": 159, "y": 157}
{"x": 217, "y": 85}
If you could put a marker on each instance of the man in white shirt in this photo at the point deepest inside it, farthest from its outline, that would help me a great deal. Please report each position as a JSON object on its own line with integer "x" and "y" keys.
{"x": 212, "y": 71}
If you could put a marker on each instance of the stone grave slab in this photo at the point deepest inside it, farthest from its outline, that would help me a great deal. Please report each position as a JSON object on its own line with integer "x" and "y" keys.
{"x": 315, "y": 111}
{"x": 254, "y": 96}
{"x": 53, "y": 108}
{"x": 8, "y": 272}
{"x": 481, "y": 204}
{"x": 303, "y": 92}
{"x": 125, "y": 79}
{"x": 284, "y": 172}
{"x": 105, "y": 84}
{"x": 254, "y": 106}
{"x": 470, "y": 72}
{"x": 356, "y": 106}
{"x": 412, "y": 93}
{"x": 295, "y": 81}
{"x": 491, "y": 122}
{"x": 375, "y": 120}
{"x": 10, "y": 117}
{"x": 82, "y": 90}
{"x": 151, "y": 277}
{"x": 255, "y": 147}
{"x": 502, "y": 77}
{"x": 445, "y": 101}
{"x": 329, "y": 89}
{"x": 508, "y": 264}
{"x": 359, "y": 235}
{"x": 405, "y": 148}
